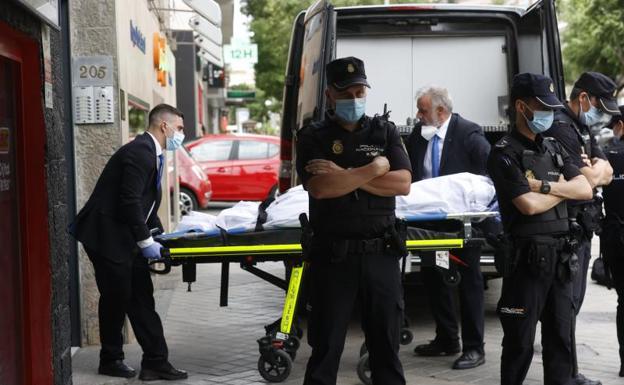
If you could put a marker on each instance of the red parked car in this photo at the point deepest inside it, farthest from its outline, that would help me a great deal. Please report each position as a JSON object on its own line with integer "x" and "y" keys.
{"x": 240, "y": 166}
{"x": 195, "y": 186}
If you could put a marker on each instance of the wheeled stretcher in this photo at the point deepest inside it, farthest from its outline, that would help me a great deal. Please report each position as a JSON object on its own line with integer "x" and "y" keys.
{"x": 436, "y": 232}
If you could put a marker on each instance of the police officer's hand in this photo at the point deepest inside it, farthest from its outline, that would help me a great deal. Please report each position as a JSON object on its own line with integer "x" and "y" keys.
{"x": 322, "y": 166}
{"x": 381, "y": 165}
{"x": 152, "y": 251}
{"x": 586, "y": 160}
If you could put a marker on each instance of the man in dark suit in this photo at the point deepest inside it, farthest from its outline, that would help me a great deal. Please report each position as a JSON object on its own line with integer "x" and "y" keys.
{"x": 444, "y": 143}
{"x": 114, "y": 228}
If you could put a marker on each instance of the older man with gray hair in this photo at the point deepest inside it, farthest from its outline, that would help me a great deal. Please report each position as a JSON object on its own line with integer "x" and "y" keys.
{"x": 444, "y": 143}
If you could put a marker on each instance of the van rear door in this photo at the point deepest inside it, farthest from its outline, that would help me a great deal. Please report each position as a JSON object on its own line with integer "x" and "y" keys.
{"x": 312, "y": 46}
{"x": 538, "y": 33}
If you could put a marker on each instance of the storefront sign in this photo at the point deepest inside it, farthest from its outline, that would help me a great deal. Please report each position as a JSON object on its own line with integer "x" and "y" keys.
{"x": 45, "y": 9}
{"x": 137, "y": 38}
{"x": 214, "y": 76}
{"x": 240, "y": 53}
{"x": 160, "y": 58}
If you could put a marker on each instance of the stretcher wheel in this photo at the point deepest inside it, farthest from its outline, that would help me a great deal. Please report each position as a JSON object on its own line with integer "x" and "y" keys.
{"x": 364, "y": 371}
{"x": 291, "y": 345}
{"x": 278, "y": 368}
{"x": 452, "y": 278}
{"x": 406, "y": 337}
{"x": 363, "y": 349}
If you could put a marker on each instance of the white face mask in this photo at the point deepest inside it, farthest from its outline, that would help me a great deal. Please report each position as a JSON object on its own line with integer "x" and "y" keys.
{"x": 428, "y": 132}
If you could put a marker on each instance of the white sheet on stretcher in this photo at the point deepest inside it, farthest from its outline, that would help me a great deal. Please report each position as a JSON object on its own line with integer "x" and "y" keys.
{"x": 456, "y": 193}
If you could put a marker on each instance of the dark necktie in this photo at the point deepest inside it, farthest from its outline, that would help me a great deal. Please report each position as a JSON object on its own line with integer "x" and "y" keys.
{"x": 161, "y": 161}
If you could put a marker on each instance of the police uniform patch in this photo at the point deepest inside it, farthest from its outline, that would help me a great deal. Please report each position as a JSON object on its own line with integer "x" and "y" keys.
{"x": 337, "y": 147}
{"x": 552, "y": 87}
{"x": 529, "y": 174}
{"x": 350, "y": 68}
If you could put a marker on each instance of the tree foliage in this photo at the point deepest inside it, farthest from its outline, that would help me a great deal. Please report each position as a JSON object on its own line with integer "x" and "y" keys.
{"x": 593, "y": 38}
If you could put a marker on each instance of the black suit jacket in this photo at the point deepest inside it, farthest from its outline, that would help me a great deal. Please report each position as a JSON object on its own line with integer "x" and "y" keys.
{"x": 114, "y": 218}
{"x": 465, "y": 149}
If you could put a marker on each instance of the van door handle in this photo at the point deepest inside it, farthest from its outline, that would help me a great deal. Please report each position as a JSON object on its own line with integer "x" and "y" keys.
{"x": 268, "y": 168}
{"x": 221, "y": 169}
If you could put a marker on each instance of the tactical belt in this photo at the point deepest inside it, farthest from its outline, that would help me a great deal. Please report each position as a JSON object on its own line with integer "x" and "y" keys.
{"x": 353, "y": 246}
{"x": 365, "y": 246}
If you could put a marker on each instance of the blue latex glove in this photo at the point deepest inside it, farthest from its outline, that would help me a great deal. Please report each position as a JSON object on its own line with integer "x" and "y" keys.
{"x": 152, "y": 251}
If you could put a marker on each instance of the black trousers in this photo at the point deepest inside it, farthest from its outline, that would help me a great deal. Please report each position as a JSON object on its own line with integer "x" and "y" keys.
{"x": 527, "y": 298}
{"x": 612, "y": 248}
{"x": 580, "y": 281}
{"x": 579, "y": 287}
{"x": 126, "y": 289}
{"x": 334, "y": 288}
{"x": 470, "y": 300}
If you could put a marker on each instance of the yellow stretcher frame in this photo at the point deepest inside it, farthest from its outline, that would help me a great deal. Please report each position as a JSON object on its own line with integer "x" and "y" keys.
{"x": 292, "y": 293}
{"x": 295, "y": 248}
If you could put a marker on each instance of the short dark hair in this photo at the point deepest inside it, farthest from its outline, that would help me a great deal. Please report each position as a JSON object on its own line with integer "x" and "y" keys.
{"x": 575, "y": 93}
{"x": 512, "y": 106}
{"x": 156, "y": 114}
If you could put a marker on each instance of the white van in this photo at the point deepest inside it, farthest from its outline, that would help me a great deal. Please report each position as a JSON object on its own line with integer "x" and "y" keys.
{"x": 474, "y": 51}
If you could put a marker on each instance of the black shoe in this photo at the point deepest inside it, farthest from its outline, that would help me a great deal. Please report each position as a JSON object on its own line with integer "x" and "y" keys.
{"x": 116, "y": 369}
{"x": 469, "y": 359}
{"x": 164, "y": 372}
{"x": 434, "y": 348}
{"x": 582, "y": 380}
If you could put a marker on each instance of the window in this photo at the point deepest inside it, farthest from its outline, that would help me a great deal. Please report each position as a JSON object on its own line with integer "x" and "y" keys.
{"x": 249, "y": 149}
{"x": 273, "y": 150}
{"x": 217, "y": 150}
{"x": 137, "y": 120}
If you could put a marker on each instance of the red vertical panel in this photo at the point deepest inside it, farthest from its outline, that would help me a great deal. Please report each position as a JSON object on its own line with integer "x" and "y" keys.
{"x": 30, "y": 141}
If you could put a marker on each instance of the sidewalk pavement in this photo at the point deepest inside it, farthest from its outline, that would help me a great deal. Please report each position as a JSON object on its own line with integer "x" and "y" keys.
{"x": 218, "y": 345}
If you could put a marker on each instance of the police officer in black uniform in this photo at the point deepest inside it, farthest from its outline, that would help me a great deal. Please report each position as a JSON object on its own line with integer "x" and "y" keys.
{"x": 612, "y": 236}
{"x": 591, "y": 106}
{"x": 534, "y": 176}
{"x": 353, "y": 166}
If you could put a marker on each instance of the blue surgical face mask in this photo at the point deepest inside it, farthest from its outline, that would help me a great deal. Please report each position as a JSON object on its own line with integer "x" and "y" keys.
{"x": 542, "y": 120}
{"x": 350, "y": 110}
{"x": 175, "y": 141}
{"x": 594, "y": 117}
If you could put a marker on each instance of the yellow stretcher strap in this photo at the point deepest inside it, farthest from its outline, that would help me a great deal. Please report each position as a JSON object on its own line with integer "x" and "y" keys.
{"x": 295, "y": 248}
{"x": 288, "y": 315}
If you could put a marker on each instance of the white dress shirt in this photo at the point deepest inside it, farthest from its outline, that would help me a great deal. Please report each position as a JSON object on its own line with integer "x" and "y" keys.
{"x": 147, "y": 242}
{"x": 441, "y": 133}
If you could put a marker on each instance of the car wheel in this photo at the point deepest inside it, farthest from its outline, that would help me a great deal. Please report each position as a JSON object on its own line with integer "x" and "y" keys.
{"x": 188, "y": 202}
